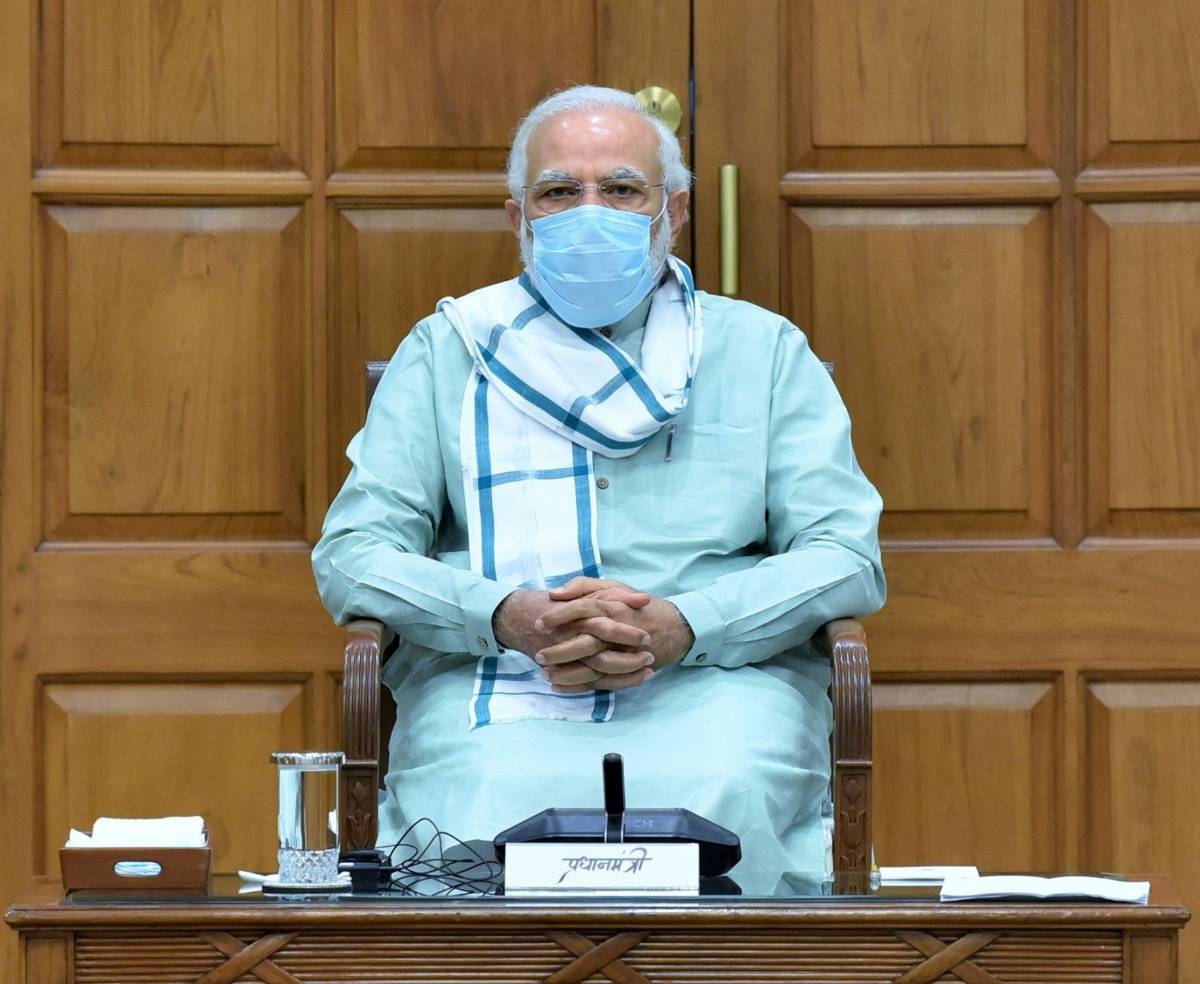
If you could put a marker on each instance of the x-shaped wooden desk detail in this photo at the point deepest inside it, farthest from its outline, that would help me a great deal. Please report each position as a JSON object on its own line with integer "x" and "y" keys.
{"x": 592, "y": 957}
{"x": 248, "y": 957}
{"x": 943, "y": 958}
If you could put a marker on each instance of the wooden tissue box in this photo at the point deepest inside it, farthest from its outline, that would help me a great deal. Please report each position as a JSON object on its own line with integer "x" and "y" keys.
{"x": 96, "y": 867}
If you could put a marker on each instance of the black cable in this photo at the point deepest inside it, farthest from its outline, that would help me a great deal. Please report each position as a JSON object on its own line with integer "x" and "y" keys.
{"x": 413, "y": 862}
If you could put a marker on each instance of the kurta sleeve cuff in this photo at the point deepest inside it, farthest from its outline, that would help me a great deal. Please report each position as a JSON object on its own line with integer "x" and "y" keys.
{"x": 478, "y": 608}
{"x": 708, "y": 626}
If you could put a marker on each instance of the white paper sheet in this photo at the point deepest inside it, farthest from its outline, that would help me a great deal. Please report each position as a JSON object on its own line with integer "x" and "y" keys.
{"x": 1030, "y": 886}
{"x": 155, "y": 832}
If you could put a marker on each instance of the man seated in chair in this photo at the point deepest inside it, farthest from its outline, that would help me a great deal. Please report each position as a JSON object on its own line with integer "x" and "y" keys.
{"x": 605, "y": 512}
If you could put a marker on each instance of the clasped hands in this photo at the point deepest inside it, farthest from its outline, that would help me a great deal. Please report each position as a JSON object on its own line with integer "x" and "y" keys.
{"x": 593, "y": 634}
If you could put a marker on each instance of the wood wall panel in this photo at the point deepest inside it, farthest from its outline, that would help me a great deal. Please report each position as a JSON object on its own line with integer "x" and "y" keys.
{"x": 1140, "y": 802}
{"x": 903, "y": 83}
{"x": 18, "y": 590}
{"x": 113, "y": 748}
{"x": 1143, "y": 87}
{"x": 181, "y": 609}
{"x": 384, "y": 113}
{"x": 181, "y": 173}
{"x": 1046, "y": 609}
{"x": 209, "y": 83}
{"x": 898, "y": 73}
{"x": 1144, "y": 360}
{"x": 1154, "y": 46}
{"x": 393, "y": 266}
{"x": 394, "y": 108}
{"x": 938, "y": 321}
{"x": 174, "y": 347}
{"x": 967, "y": 773}
{"x": 423, "y": 110}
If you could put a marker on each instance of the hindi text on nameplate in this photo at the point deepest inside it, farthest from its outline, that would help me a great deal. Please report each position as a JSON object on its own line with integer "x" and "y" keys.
{"x": 602, "y": 869}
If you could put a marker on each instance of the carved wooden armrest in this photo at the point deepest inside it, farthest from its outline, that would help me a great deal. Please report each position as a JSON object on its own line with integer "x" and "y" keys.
{"x": 845, "y": 642}
{"x": 360, "y": 734}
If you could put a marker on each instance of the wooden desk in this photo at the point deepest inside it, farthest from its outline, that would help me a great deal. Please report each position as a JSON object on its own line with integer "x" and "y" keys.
{"x": 870, "y": 940}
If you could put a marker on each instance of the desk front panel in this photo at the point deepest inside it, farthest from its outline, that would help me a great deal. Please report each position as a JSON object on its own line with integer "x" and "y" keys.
{"x": 638, "y": 955}
{"x": 896, "y": 936}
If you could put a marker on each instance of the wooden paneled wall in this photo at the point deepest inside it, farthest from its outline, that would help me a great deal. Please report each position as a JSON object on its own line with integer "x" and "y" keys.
{"x": 987, "y": 212}
{"x": 215, "y": 211}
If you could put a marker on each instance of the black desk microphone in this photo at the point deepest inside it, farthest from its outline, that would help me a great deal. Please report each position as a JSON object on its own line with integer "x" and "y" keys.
{"x": 720, "y": 849}
{"x": 614, "y": 798}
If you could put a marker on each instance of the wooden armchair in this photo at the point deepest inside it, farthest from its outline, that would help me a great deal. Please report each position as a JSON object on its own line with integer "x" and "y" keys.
{"x": 369, "y": 714}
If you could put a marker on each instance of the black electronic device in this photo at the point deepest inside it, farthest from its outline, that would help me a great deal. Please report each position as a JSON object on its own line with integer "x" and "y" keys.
{"x": 720, "y": 849}
{"x": 369, "y": 870}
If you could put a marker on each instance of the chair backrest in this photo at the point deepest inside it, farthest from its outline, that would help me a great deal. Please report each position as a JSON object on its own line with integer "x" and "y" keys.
{"x": 374, "y": 374}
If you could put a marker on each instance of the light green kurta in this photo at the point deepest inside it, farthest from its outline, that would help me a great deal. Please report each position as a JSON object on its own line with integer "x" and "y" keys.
{"x": 759, "y": 528}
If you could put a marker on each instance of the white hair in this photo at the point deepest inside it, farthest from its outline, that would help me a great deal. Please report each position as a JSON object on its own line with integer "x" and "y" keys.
{"x": 676, "y": 176}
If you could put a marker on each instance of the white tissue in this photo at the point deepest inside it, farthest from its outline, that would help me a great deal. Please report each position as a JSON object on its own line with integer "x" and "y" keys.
{"x": 157, "y": 832}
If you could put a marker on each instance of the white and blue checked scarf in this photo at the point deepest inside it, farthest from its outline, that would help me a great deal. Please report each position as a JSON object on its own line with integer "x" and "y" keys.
{"x": 544, "y": 397}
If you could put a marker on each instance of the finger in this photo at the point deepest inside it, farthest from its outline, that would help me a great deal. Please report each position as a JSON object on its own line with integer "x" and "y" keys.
{"x": 623, "y": 681}
{"x": 570, "y": 673}
{"x": 577, "y": 587}
{"x": 568, "y": 611}
{"x": 561, "y": 613}
{"x": 626, "y": 596}
{"x": 607, "y": 588}
{"x": 614, "y": 662}
{"x": 611, "y": 631}
{"x": 573, "y": 649}
{"x": 620, "y": 682}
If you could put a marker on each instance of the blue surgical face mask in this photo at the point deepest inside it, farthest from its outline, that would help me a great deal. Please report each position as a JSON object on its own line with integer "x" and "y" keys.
{"x": 592, "y": 264}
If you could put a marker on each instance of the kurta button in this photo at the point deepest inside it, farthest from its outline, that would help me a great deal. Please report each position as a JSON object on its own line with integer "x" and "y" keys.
{"x": 701, "y": 657}
{"x": 602, "y": 483}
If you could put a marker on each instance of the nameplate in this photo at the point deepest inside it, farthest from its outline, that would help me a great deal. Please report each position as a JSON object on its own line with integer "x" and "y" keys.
{"x": 601, "y": 869}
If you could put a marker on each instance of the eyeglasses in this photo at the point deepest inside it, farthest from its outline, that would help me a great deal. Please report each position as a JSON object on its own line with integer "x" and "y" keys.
{"x": 560, "y": 194}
